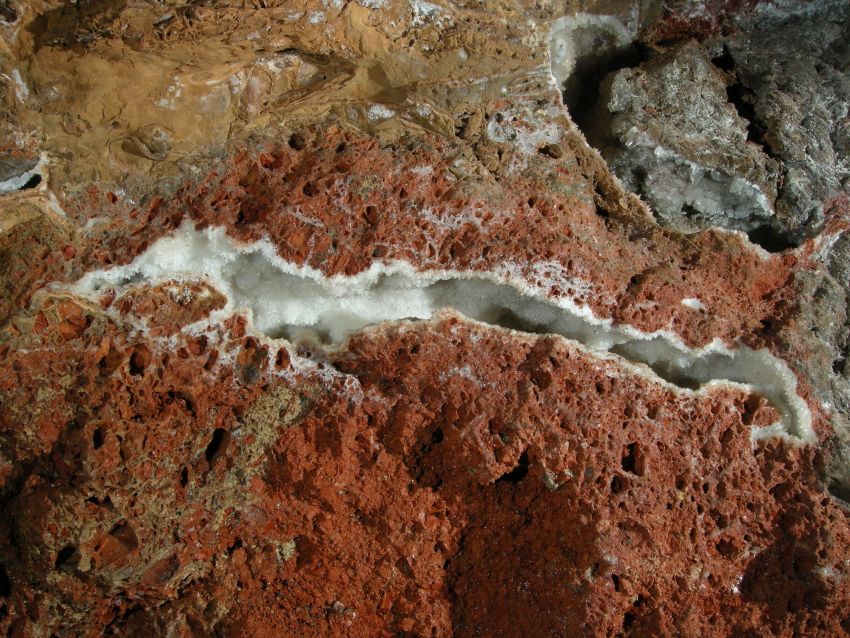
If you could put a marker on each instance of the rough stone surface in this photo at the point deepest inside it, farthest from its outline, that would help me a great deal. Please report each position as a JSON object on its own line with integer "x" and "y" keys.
{"x": 166, "y": 468}
{"x": 799, "y": 107}
{"x": 681, "y": 144}
{"x": 746, "y": 130}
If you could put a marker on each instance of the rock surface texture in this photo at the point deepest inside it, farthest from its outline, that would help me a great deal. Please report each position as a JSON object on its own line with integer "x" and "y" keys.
{"x": 424, "y": 318}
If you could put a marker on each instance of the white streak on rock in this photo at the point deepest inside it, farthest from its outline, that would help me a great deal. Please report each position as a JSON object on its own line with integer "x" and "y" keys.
{"x": 282, "y": 299}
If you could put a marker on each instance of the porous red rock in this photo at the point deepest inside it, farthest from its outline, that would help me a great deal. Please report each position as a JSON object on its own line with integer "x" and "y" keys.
{"x": 522, "y": 487}
{"x": 342, "y": 203}
{"x": 167, "y": 469}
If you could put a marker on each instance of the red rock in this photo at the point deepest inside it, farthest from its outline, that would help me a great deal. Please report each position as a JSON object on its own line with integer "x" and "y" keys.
{"x": 166, "y": 469}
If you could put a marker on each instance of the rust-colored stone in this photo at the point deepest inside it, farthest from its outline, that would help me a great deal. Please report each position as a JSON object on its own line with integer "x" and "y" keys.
{"x": 168, "y": 469}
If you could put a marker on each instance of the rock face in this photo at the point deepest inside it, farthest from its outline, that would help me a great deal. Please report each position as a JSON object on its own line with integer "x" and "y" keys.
{"x": 684, "y": 146}
{"x": 742, "y": 131}
{"x": 326, "y": 320}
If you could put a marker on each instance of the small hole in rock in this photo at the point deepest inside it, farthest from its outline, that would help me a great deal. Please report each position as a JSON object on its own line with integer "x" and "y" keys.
{"x": 725, "y": 60}
{"x": 551, "y": 150}
{"x": 97, "y": 438}
{"x": 296, "y": 142}
{"x": 689, "y": 211}
{"x": 234, "y": 546}
{"x": 139, "y": 360}
{"x": 371, "y": 214}
{"x": 7, "y": 12}
{"x": 770, "y": 239}
{"x": 617, "y": 484}
{"x": 281, "y": 359}
{"x": 616, "y": 580}
{"x": 32, "y": 182}
{"x": 5, "y": 583}
{"x": 64, "y": 556}
{"x": 629, "y": 459}
{"x": 518, "y": 473}
{"x": 216, "y": 445}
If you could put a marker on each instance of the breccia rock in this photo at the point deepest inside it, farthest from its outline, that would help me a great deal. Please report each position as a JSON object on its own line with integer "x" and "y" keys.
{"x": 327, "y": 320}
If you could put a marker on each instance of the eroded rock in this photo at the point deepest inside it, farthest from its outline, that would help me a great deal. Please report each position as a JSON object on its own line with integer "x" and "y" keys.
{"x": 325, "y": 320}
{"x": 678, "y": 141}
{"x": 742, "y": 130}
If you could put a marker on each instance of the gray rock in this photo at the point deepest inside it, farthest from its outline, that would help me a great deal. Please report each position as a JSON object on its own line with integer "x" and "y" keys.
{"x": 15, "y": 171}
{"x": 754, "y": 136}
{"x": 794, "y": 76}
{"x": 675, "y": 139}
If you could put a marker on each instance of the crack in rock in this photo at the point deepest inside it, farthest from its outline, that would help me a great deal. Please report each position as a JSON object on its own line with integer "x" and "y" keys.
{"x": 297, "y": 302}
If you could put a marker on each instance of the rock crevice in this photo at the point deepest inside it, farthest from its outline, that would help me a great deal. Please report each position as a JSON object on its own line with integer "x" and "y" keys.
{"x": 293, "y": 302}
